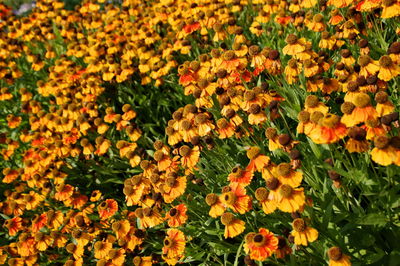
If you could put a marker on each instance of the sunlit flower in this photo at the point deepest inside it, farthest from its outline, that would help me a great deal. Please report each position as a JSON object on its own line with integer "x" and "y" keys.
{"x": 217, "y": 207}
{"x": 174, "y": 244}
{"x": 233, "y": 226}
{"x": 107, "y": 208}
{"x": 337, "y": 258}
{"x": 177, "y": 216}
{"x": 260, "y": 245}
{"x": 236, "y": 199}
{"x": 302, "y": 233}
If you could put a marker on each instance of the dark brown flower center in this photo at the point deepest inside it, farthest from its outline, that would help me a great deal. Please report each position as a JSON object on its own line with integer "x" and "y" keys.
{"x": 173, "y": 212}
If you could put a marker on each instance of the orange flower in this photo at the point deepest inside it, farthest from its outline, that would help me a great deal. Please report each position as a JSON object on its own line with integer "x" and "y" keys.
{"x": 383, "y": 153}
{"x": 257, "y": 161}
{"x": 204, "y": 125}
{"x": 13, "y": 225}
{"x": 268, "y": 204}
{"x": 374, "y": 128}
{"x": 42, "y": 241}
{"x": 260, "y": 245}
{"x": 177, "y": 216}
{"x": 164, "y": 162}
{"x": 292, "y": 71}
{"x": 368, "y": 66}
{"x": 101, "y": 249}
{"x": 75, "y": 250}
{"x": 357, "y": 141}
{"x": 174, "y": 244}
{"x": 362, "y": 112}
{"x": 337, "y": 258}
{"x": 302, "y": 233}
{"x": 64, "y": 192}
{"x": 290, "y": 199}
{"x": 388, "y": 69}
{"x": 330, "y": 130}
{"x": 256, "y": 115}
{"x": 117, "y": 256}
{"x": 312, "y": 104}
{"x": 236, "y": 199}
{"x": 286, "y": 175}
{"x": 190, "y": 157}
{"x": 142, "y": 261}
{"x": 39, "y": 222}
{"x": 151, "y": 217}
{"x": 10, "y": 175}
{"x": 233, "y": 226}
{"x": 121, "y": 228}
{"x": 241, "y": 176}
{"x": 134, "y": 188}
{"x": 336, "y": 17}
{"x": 107, "y": 208}
{"x": 368, "y": 5}
{"x": 225, "y": 129}
{"x": 217, "y": 207}
{"x": 95, "y": 196}
{"x": 391, "y": 8}
{"x": 173, "y": 187}
{"x": 339, "y": 3}
{"x": 294, "y": 45}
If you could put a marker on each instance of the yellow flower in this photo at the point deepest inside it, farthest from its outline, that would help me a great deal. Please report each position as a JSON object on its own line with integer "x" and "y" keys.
{"x": 302, "y": 233}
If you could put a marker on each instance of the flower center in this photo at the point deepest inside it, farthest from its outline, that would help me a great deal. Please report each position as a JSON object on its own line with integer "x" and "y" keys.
{"x": 253, "y": 152}
{"x": 291, "y": 39}
{"x": 385, "y": 61}
{"x": 362, "y": 100}
{"x": 227, "y": 218}
{"x": 286, "y": 191}
{"x": 171, "y": 181}
{"x": 312, "y": 101}
{"x": 299, "y": 225}
{"x": 272, "y": 183}
{"x": 283, "y": 169}
{"x": 211, "y": 199}
{"x": 261, "y": 194}
{"x": 237, "y": 172}
{"x": 330, "y": 120}
{"x": 335, "y": 254}
{"x": 259, "y": 240}
{"x": 168, "y": 242}
{"x": 347, "y": 107}
{"x": 364, "y": 60}
{"x": 136, "y": 179}
{"x": 229, "y": 198}
{"x": 184, "y": 150}
{"x": 173, "y": 212}
{"x": 381, "y": 142}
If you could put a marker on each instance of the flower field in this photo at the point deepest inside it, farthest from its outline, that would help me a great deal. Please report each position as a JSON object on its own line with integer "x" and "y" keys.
{"x": 210, "y": 132}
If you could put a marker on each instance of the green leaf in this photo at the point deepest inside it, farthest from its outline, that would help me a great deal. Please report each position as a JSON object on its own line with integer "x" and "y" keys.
{"x": 378, "y": 219}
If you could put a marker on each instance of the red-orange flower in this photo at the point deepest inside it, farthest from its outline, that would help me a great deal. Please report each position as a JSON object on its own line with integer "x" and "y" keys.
{"x": 236, "y": 199}
{"x": 262, "y": 245}
{"x": 241, "y": 176}
{"x": 257, "y": 160}
{"x": 174, "y": 244}
{"x": 107, "y": 208}
{"x": 177, "y": 216}
{"x": 330, "y": 130}
{"x": 13, "y": 225}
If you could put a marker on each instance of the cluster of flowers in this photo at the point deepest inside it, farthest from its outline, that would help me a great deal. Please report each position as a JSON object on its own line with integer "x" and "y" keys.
{"x": 61, "y": 117}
